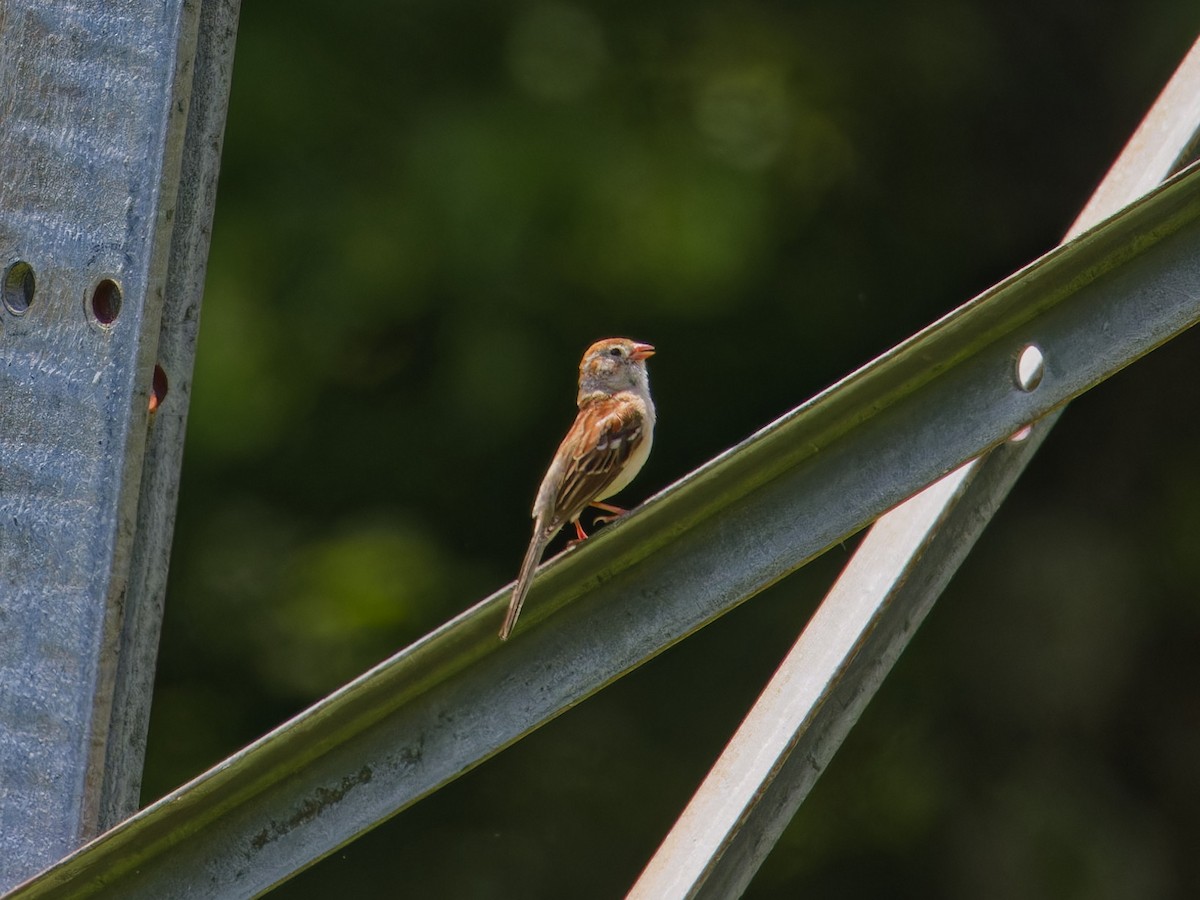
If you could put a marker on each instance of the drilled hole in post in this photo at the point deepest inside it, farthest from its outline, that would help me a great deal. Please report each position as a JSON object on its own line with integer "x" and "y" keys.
{"x": 158, "y": 388}
{"x": 106, "y": 301}
{"x": 1031, "y": 366}
{"x": 19, "y": 287}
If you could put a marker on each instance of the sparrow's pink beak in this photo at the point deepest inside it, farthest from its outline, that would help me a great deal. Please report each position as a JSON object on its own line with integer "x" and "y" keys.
{"x": 642, "y": 351}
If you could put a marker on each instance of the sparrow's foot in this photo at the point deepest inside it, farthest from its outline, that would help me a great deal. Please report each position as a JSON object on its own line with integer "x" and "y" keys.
{"x": 615, "y": 512}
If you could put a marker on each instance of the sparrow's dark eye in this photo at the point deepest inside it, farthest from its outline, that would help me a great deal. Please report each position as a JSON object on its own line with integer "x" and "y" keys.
{"x": 615, "y": 351}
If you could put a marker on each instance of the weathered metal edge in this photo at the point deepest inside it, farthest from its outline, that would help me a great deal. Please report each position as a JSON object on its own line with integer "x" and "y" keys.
{"x": 212, "y": 30}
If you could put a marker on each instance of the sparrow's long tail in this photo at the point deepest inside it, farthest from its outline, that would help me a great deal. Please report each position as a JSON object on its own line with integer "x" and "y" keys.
{"x": 532, "y": 557}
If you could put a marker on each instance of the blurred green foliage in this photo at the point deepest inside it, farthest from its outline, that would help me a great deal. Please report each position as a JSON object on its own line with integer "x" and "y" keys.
{"x": 427, "y": 210}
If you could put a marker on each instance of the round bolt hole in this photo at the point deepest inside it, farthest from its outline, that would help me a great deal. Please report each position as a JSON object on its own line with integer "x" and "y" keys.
{"x": 1031, "y": 366}
{"x": 106, "y": 301}
{"x": 19, "y": 285}
{"x": 158, "y": 388}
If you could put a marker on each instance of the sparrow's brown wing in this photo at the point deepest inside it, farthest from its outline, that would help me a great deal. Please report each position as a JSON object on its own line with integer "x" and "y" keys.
{"x": 605, "y": 434}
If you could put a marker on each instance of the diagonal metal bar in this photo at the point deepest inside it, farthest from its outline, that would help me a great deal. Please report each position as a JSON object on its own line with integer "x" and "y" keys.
{"x": 823, "y": 685}
{"x": 890, "y": 584}
{"x": 726, "y": 531}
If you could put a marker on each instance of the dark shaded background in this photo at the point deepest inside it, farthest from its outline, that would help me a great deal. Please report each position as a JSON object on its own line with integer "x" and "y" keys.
{"x": 427, "y": 211}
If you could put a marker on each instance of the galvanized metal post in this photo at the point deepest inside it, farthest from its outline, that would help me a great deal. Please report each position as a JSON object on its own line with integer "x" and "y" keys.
{"x": 102, "y": 245}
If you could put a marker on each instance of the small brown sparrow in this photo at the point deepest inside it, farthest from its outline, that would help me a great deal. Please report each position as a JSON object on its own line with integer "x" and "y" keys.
{"x": 605, "y": 448}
